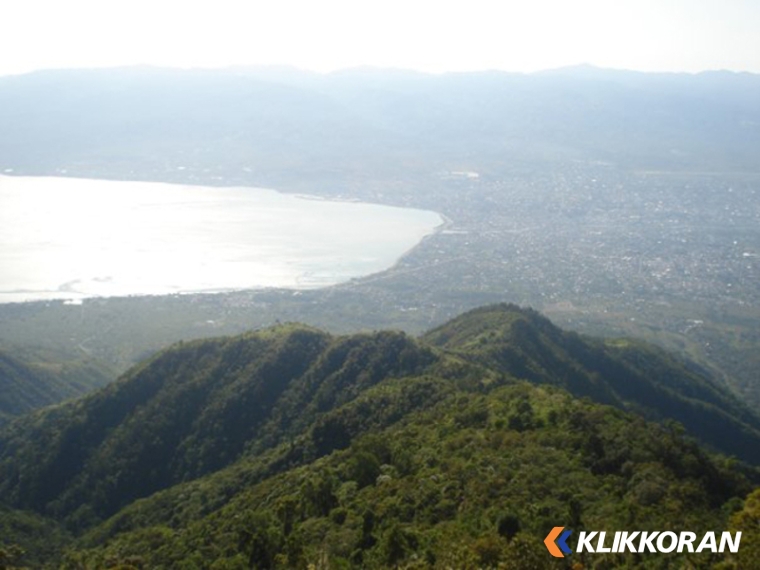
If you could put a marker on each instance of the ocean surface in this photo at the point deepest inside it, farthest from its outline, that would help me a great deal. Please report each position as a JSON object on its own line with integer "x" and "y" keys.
{"x": 68, "y": 238}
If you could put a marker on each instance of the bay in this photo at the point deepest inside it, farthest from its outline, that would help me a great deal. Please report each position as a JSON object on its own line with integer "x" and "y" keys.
{"x": 68, "y": 238}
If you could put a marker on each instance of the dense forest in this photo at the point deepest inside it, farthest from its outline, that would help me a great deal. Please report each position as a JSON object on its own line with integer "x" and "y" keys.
{"x": 292, "y": 448}
{"x": 26, "y": 385}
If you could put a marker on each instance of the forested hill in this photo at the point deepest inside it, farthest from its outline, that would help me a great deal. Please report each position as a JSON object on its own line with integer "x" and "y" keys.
{"x": 192, "y": 409}
{"x": 25, "y": 386}
{"x": 625, "y": 373}
{"x": 254, "y": 425}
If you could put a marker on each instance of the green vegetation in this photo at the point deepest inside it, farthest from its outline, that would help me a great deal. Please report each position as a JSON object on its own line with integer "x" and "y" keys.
{"x": 29, "y": 538}
{"x": 476, "y": 481}
{"x": 627, "y": 374}
{"x": 25, "y": 386}
{"x": 187, "y": 412}
{"x": 292, "y": 448}
{"x": 747, "y": 521}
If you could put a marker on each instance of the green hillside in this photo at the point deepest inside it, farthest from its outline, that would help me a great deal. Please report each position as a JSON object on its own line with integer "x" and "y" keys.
{"x": 289, "y": 447}
{"x": 189, "y": 411}
{"x": 476, "y": 481}
{"x": 624, "y": 373}
{"x": 25, "y": 385}
{"x": 30, "y": 538}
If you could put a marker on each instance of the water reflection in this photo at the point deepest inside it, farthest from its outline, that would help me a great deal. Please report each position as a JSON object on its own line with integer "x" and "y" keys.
{"x": 70, "y": 238}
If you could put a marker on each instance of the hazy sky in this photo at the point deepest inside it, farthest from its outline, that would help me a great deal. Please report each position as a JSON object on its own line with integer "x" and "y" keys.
{"x": 323, "y": 35}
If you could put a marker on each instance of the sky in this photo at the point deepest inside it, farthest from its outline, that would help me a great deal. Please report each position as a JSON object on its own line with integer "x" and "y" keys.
{"x": 431, "y": 36}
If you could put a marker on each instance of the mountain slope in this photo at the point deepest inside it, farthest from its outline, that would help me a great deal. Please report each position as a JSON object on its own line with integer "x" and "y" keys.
{"x": 28, "y": 540}
{"x": 25, "y": 386}
{"x": 376, "y": 447}
{"x": 623, "y": 373}
{"x": 189, "y": 411}
{"x": 475, "y": 481}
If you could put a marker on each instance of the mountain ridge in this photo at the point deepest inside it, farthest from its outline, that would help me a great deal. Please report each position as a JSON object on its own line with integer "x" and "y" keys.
{"x": 198, "y": 405}
{"x": 623, "y": 373}
{"x": 223, "y": 121}
{"x": 296, "y": 414}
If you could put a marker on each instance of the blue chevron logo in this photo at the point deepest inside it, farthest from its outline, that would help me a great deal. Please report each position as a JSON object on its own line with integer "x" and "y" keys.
{"x": 556, "y": 542}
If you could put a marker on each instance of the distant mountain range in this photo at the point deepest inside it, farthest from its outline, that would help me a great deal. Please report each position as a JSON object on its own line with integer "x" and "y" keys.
{"x": 279, "y": 125}
{"x": 466, "y": 444}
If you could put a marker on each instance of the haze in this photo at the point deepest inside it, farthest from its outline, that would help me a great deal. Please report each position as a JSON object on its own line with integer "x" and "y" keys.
{"x": 646, "y": 35}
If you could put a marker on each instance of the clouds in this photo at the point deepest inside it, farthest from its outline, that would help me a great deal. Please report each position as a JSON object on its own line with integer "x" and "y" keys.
{"x": 431, "y": 36}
